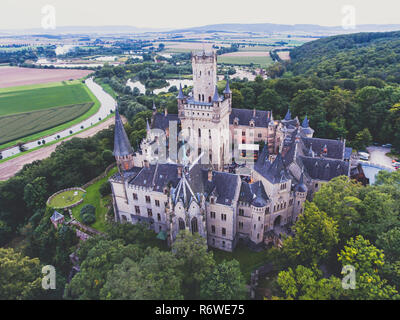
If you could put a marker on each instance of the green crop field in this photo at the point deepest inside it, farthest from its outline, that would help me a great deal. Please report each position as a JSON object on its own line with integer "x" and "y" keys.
{"x": 20, "y": 100}
{"x": 261, "y": 61}
{"x": 34, "y": 111}
{"x": 19, "y": 125}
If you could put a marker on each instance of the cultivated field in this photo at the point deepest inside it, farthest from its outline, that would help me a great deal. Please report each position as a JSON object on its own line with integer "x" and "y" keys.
{"x": 246, "y": 58}
{"x": 14, "y": 76}
{"x": 29, "y": 110}
{"x": 20, "y": 125}
{"x": 32, "y": 98}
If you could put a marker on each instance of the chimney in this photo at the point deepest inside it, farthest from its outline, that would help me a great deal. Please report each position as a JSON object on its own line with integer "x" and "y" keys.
{"x": 210, "y": 174}
{"x": 165, "y": 111}
{"x": 254, "y": 112}
{"x": 146, "y": 164}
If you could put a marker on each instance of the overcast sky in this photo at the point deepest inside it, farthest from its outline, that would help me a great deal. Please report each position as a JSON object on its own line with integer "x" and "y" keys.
{"x": 21, "y": 14}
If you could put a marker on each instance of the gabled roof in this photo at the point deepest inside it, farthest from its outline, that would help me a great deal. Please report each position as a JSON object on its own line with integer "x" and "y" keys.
{"x": 261, "y": 118}
{"x": 161, "y": 121}
{"x": 324, "y": 169}
{"x": 56, "y": 216}
{"x": 335, "y": 148}
{"x": 253, "y": 194}
{"x": 122, "y": 146}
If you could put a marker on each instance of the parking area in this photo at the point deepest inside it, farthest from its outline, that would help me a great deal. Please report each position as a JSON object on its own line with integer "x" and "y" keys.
{"x": 378, "y": 156}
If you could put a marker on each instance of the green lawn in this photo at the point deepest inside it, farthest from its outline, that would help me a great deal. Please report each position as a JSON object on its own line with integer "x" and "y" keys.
{"x": 66, "y": 199}
{"x": 32, "y": 99}
{"x": 94, "y": 198}
{"x": 262, "y": 61}
{"x": 249, "y": 260}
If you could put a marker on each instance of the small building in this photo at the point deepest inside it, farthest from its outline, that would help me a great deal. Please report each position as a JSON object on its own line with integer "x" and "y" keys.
{"x": 57, "y": 219}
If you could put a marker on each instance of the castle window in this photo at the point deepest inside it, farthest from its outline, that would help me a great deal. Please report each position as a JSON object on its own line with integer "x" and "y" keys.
{"x": 209, "y": 99}
{"x": 254, "y": 227}
{"x": 137, "y": 209}
{"x": 241, "y": 212}
{"x": 209, "y": 73}
{"x": 213, "y": 242}
{"x": 194, "y": 224}
{"x": 199, "y": 133}
{"x": 223, "y": 244}
{"x": 148, "y": 199}
{"x": 240, "y": 225}
{"x": 181, "y": 224}
{"x": 199, "y": 151}
{"x": 223, "y": 231}
{"x": 267, "y": 211}
{"x": 157, "y": 202}
{"x": 212, "y": 200}
{"x": 212, "y": 215}
{"x": 200, "y": 74}
{"x": 149, "y": 212}
{"x": 160, "y": 228}
{"x": 260, "y": 135}
{"x": 258, "y": 236}
{"x": 259, "y": 218}
{"x": 212, "y": 229}
{"x": 243, "y": 133}
{"x": 199, "y": 97}
{"x": 135, "y": 197}
{"x": 223, "y": 217}
{"x": 158, "y": 217}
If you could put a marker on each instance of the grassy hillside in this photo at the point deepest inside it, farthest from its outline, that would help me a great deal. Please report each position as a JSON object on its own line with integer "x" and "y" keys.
{"x": 350, "y": 56}
{"x": 19, "y": 100}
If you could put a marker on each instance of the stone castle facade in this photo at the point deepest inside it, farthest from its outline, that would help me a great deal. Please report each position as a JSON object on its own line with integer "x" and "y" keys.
{"x": 221, "y": 201}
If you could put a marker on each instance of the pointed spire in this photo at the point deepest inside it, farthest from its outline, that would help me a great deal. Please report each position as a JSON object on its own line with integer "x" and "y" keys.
{"x": 288, "y": 115}
{"x": 122, "y": 146}
{"x": 216, "y": 95}
{"x": 227, "y": 89}
{"x": 305, "y": 123}
{"x": 180, "y": 95}
{"x": 271, "y": 119}
{"x": 154, "y": 106}
{"x": 311, "y": 151}
{"x": 301, "y": 187}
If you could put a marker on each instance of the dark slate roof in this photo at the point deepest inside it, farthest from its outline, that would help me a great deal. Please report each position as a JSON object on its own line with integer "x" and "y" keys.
{"x": 223, "y": 185}
{"x": 335, "y": 147}
{"x": 216, "y": 97}
{"x": 261, "y": 119}
{"x": 156, "y": 177}
{"x": 253, "y": 194}
{"x": 227, "y": 89}
{"x": 128, "y": 174}
{"x": 263, "y": 156}
{"x": 324, "y": 169}
{"x": 180, "y": 95}
{"x": 305, "y": 123}
{"x": 161, "y": 121}
{"x": 275, "y": 172}
{"x": 288, "y": 115}
{"x": 122, "y": 146}
{"x": 56, "y": 216}
{"x": 301, "y": 187}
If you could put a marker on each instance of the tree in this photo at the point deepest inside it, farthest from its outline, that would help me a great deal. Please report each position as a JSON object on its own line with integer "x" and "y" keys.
{"x": 21, "y": 277}
{"x": 98, "y": 261}
{"x": 307, "y": 284}
{"x": 339, "y": 198}
{"x": 197, "y": 263}
{"x": 155, "y": 277}
{"x": 225, "y": 282}
{"x": 35, "y": 193}
{"x": 88, "y": 214}
{"x": 107, "y": 156}
{"x": 237, "y": 99}
{"x": 363, "y": 139}
{"x": 368, "y": 262}
{"x": 5, "y": 233}
{"x": 105, "y": 189}
{"x": 315, "y": 236}
{"x": 390, "y": 243}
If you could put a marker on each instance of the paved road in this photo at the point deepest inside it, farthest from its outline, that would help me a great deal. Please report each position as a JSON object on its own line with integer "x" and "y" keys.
{"x": 378, "y": 156}
{"x": 9, "y": 168}
{"x": 107, "y": 104}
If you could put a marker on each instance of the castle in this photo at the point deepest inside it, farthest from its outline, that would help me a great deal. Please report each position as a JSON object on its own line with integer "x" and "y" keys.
{"x": 203, "y": 191}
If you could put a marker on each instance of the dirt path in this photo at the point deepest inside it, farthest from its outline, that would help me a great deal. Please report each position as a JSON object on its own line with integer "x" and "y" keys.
{"x": 9, "y": 168}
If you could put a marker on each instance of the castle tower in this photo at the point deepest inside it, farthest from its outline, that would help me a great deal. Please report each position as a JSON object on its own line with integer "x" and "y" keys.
{"x": 123, "y": 151}
{"x": 204, "y": 65}
{"x": 205, "y": 115}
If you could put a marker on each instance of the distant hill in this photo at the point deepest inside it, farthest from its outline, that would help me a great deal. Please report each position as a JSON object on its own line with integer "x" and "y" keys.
{"x": 350, "y": 56}
{"x": 306, "y": 29}
{"x": 285, "y": 28}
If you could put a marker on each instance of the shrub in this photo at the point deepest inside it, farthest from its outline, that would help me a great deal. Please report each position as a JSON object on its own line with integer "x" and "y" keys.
{"x": 105, "y": 189}
{"x": 88, "y": 214}
{"x": 88, "y": 218}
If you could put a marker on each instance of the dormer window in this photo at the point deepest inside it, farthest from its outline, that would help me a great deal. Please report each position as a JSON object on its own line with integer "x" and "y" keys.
{"x": 236, "y": 121}
{"x": 252, "y": 123}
